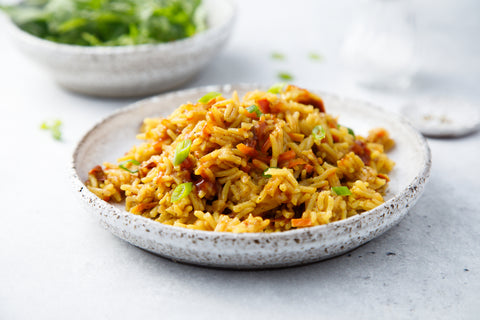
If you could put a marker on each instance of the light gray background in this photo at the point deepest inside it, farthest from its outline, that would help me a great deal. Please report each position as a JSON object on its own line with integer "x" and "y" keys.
{"x": 56, "y": 262}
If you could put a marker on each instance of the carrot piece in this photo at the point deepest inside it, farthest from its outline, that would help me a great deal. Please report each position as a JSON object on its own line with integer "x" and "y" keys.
{"x": 249, "y": 151}
{"x": 296, "y": 162}
{"x": 264, "y": 105}
{"x": 309, "y": 168}
{"x": 287, "y": 155}
{"x": 302, "y": 222}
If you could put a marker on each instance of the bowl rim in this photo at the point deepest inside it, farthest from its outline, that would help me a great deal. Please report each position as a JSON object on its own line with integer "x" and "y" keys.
{"x": 172, "y": 45}
{"x": 412, "y": 191}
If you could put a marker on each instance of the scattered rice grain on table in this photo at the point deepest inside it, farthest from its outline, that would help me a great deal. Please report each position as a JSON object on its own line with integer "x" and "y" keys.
{"x": 271, "y": 161}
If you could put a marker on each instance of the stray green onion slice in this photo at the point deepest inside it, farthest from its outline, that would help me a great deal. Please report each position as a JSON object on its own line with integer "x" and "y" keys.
{"x": 278, "y": 56}
{"x": 182, "y": 151}
{"x": 209, "y": 96}
{"x": 277, "y": 87}
{"x": 268, "y": 175}
{"x": 315, "y": 56}
{"x": 181, "y": 191}
{"x": 318, "y": 133}
{"x": 341, "y": 191}
{"x": 253, "y": 108}
{"x": 132, "y": 161}
{"x": 285, "y": 76}
{"x": 350, "y": 131}
{"x": 54, "y": 128}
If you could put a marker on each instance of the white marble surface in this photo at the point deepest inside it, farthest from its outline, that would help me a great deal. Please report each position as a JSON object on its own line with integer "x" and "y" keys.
{"x": 56, "y": 262}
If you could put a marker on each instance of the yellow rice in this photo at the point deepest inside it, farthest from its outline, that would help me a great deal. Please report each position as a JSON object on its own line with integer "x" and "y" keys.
{"x": 251, "y": 172}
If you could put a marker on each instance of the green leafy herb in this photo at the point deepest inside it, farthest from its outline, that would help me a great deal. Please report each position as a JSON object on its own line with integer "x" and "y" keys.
{"x": 277, "y": 87}
{"x": 253, "y": 108}
{"x": 285, "y": 76}
{"x": 315, "y": 56}
{"x": 109, "y": 22}
{"x": 182, "y": 151}
{"x": 341, "y": 191}
{"x": 209, "y": 96}
{"x": 318, "y": 133}
{"x": 54, "y": 127}
{"x": 278, "y": 56}
{"x": 123, "y": 164}
{"x": 181, "y": 191}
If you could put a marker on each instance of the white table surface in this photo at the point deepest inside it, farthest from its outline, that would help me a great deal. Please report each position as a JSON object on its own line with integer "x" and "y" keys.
{"x": 56, "y": 262}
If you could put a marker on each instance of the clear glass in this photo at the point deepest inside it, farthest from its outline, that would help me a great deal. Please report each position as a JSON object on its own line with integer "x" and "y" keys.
{"x": 379, "y": 48}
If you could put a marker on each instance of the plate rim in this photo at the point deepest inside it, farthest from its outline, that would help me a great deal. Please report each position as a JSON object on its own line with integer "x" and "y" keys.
{"x": 412, "y": 188}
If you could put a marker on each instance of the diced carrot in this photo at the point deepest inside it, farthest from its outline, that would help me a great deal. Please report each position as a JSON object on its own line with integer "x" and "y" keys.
{"x": 309, "y": 168}
{"x": 264, "y": 105}
{"x": 249, "y": 151}
{"x": 287, "y": 155}
{"x": 302, "y": 222}
{"x": 252, "y": 115}
{"x": 158, "y": 146}
{"x": 296, "y": 162}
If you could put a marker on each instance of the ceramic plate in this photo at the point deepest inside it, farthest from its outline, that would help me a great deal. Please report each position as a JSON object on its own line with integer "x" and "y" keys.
{"x": 113, "y": 136}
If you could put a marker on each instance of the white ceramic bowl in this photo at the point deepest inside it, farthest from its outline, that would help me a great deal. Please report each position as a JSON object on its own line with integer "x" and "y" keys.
{"x": 138, "y": 70}
{"x": 114, "y": 135}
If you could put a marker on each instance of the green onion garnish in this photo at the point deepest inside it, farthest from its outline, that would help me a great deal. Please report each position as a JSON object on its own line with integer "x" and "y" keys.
{"x": 209, "y": 96}
{"x": 285, "y": 76}
{"x": 341, "y": 191}
{"x": 182, "y": 151}
{"x": 54, "y": 127}
{"x": 278, "y": 56}
{"x": 266, "y": 175}
{"x": 181, "y": 191}
{"x": 318, "y": 133}
{"x": 315, "y": 56}
{"x": 350, "y": 131}
{"x": 133, "y": 161}
{"x": 277, "y": 87}
{"x": 253, "y": 108}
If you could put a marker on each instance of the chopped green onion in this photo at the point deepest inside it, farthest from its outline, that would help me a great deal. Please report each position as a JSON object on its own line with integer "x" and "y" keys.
{"x": 341, "y": 191}
{"x": 268, "y": 175}
{"x": 54, "y": 127}
{"x": 278, "y": 56}
{"x": 277, "y": 87}
{"x": 133, "y": 161}
{"x": 318, "y": 133}
{"x": 253, "y": 108}
{"x": 285, "y": 76}
{"x": 209, "y": 96}
{"x": 350, "y": 131}
{"x": 182, "y": 151}
{"x": 315, "y": 56}
{"x": 181, "y": 191}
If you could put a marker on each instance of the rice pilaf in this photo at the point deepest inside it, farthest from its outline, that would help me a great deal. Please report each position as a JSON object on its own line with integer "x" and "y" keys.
{"x": 269, "y": 162}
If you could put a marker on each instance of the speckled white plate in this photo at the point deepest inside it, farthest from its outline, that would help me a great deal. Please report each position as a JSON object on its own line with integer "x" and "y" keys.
{"x": 110, "y": 138}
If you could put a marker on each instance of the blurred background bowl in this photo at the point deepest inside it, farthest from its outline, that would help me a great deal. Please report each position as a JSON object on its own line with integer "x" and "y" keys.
{"x": 127, "y": 71}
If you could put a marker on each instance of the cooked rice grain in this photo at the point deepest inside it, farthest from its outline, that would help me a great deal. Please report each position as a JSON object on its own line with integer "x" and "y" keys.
{"x": 250, "y": 173}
